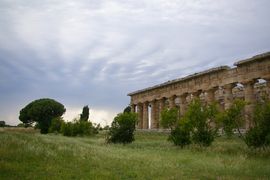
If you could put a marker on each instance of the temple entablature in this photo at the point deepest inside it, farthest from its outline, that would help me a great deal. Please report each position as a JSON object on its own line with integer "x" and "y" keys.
{"x": 217, "y": 84}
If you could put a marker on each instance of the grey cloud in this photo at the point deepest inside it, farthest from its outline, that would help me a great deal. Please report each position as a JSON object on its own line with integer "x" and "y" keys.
{"x": 95, "y": 52}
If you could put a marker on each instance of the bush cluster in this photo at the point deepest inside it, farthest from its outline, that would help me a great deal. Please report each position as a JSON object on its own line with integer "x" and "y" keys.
{"x": 195, "y": 126}
{"x": 259, "y": 134}
{"x": 233, "y": 117}
{"x": 74, "y": 128}
{"x": 181, "y": 134}
{"x": 122, "y": 128}
{"x": 56, "y": 124}
{"x": 78, "y": 128}
{"x": 200, "y": 123}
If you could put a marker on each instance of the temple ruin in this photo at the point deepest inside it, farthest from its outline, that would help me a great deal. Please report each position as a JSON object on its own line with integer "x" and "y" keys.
{"x": 249, "y": 79}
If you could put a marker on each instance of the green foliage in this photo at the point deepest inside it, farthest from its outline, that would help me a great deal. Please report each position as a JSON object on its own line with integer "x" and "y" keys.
{"x": 233, "y": 117}
{"x": 202, "y": 119}
{"x": 78, "y": 128}
{"x": 41, "y": 111}
{"x": 67, "y": 129}
{"x": 127, "y": 109}
{"x": 2, "y": 123}
{"x": 255, "y": 137}
{"x": 198, "y": 124}
{"x": 56, "y": 125}
{"x": 85, "y": 114}
{"x": 106, "y": 127}
{"x": 27, "y": 155}
{"x": 169, "y": 118}
{"x": 122, "y": 128}
{"x": 181, "y": 134}
{"x": 204, "y": 137}
{"x": 259, "y": 134}
{"x": 21, "y": 125}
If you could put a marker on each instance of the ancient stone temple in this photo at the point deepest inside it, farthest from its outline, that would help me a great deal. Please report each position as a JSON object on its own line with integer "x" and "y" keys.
{"x": 249, "y": 79}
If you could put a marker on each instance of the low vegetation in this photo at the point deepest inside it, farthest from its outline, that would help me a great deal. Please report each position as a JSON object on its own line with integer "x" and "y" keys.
{"x": 196, "y": 125}
{"x": 122, "y": 128}
{"x": 259, "y": 134}
{"x": 200, "y": 124}
{"x": 27, "y": 154}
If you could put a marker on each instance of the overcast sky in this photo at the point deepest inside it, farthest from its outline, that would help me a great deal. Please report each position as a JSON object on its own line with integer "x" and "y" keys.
{"x": 94, "y": 52}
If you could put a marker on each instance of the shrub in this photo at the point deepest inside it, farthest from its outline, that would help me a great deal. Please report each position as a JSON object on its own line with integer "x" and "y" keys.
{"x": 180, "y": 135}
{"x": 78, "y": 128}
{"x": 204, "y": 137}
{"x": 255, "y": 137}
{"x": 202, "y": 119}
{"x": 67, "y": 129}
{"x": 259, "y": 134}
{"x": 83, "y": 128}
{"x": 122, "y": 128}
{"x": 198, "y": 124}
{"x": 2, "y": 123}
{"x": 169, "y": 118}
{"x": 233, "y": 117}
{"x": 56, "y": 125}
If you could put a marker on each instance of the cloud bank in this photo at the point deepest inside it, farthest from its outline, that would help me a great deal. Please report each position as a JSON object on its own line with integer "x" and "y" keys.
{"x": 95, "y": 52}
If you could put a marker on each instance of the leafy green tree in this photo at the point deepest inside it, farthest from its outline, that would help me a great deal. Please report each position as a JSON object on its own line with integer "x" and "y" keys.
{"x": 180, "y": 129}
{"x": 78, "y": 128}
{"x": 181, "y": 134}
{"x": 41, "y": 111}
{"x": 203, "y": 120}
{"x": 233, "y": 117}
{"x": 259, "y": 134}
{"x": 122, "y": 128}
{"x": 85, "y": 114}
{"x": 169, "y": 118}
{"x": 67, "y": 129}
{"x": 56, "y": 124}
{"x": 127, "y": 109}
{"x": 2, "y": 123}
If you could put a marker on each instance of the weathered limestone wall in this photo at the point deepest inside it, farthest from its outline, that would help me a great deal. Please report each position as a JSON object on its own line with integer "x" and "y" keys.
{"x": 216, "y": 84}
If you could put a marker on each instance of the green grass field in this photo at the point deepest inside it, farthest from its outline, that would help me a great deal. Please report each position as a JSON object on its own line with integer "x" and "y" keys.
{"x": 26, "y": 154}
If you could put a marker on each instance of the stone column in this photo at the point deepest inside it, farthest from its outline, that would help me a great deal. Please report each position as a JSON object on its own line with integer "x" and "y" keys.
{"x": 228, "y": 96}
{"x": 156, "y": 125}
{"x": 210, "y": 98}
{"x": 250, "y": 98}
{"x": 183, "y": 103}
{"x": 172, "y": 101}
{"x": 145, "y": 115}
{"x": 196, "y": 94}
{"x": 162, "y": 106}
{"x": 268, "y": 87}
{"x": 140, "y": 115}
{"x": 133, "y": 107}
{"x": 153, "y": 114}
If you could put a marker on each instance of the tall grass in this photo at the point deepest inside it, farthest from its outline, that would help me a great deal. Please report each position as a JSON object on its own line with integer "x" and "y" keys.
{"x": 34, "y": 156}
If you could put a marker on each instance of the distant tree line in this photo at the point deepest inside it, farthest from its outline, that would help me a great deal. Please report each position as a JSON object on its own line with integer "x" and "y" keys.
{"x": 47, "y": 116}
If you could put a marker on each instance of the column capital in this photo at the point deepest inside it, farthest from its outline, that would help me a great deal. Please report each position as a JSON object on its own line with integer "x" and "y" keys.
{"x": 197, "y": 93}
{"x": 249, "y": 82}
{"x": 145, "y": 103}
{"x": 215, "y": 88}
{"x": 229, "y": 86}
{"x": 172, "y": 101}
{"x": 153, "y": 101}
{"x": 184, "y": 95}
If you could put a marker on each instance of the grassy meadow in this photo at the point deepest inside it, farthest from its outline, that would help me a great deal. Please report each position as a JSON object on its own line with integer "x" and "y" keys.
{"x": 26, "y": 154}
